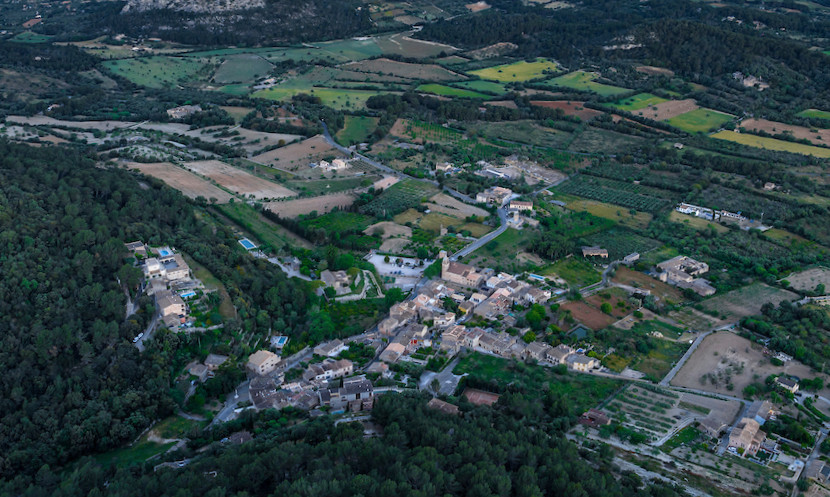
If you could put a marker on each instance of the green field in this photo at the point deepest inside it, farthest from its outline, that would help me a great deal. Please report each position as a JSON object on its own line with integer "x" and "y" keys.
{"x": 697, "y": 223}
{"x": 133, "y": 455}
{"x": 483, "y": 86}
{"x": 317, "y": 187}
{"x": 242, "y": 68}
{"x": 339, "y": 221}
{"x": 157, "y": 72}
{"x": 815, "y": 113}
{"x": 517, "y": 71}
{"x": 639, "y": 101}
{"x": 398, "y": 198}
{"x": 700, "y": 120}
{"x": 357, "y": 129}
{"x": 575, "y": 271}
{"x": 772, "y": 144}
{"x": 336, "y": 98}
{"x": 584, "y": 81}
{"x": 581, "y": 391}
{"x": 30, "y": 37}
{"x": 449, "y": 91}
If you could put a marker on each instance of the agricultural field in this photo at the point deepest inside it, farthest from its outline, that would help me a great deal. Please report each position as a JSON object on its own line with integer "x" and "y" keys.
{"x": 449, "y": 91}
{"x": 183, "y": 180}
{"x": 668, "y": 109}
{"x": 621, "y": 242}
{"x": 296, "y": 156}
{"x": 30, "y": 37}
{"x": 482, "y": 86}
{"x": 700, "y": 120}
{"x": 501, "y": 253}
{"x": 637, "y": 102}
{"x": 407, "y": 70}
{"x": 615, "y": 192}
{"x": 661, "y": 291}
{"x": 697, "y": 223}
{"x": 617, "y": 297}
{"x": 747, "y": 301}
{"x": 327, "y": 186}
{"x": 569, "y": 108}
{"x": 648, "y": 411}
{"x": 584, "y": 81}
{"x": 237, "y": 113}
{"x": 772, "y": 144}
{"x": 594, "y": 140}
{"x": 577, "y": 272}
{"x": 398, "y": 198}
{"x": 625, "y": 217}
{"x": 451, "y": 206}
{"x": 518, "y": 71}
{"x": 816, "y": 136}
{"x": 263, "y": 230}
{"x": 815, "y": 114}
{"x": 339, "y": 221}
{"x": 159, "y": 71}
{"x": 297, "y": 207}
{"x": 336, "y": 98}
{"x": 808, "y": 280}
{"x": 588, "y": 315}
{"x": 357, "y": 129}
{"x": 238, "y": 181}
{"x": 242, "y": 68}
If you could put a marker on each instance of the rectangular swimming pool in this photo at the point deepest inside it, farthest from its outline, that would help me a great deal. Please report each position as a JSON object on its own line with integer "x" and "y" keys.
{"x": 187, "y": 294}
{"x": 248, "y": 244}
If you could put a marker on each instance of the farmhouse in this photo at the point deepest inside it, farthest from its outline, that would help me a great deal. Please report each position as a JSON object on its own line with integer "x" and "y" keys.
{"x": 559, "y": 354}
{"x": 594, "y": 252}
{"x": 760, "y": 411}
{"x": 582, "y": 363}
{"x": 631, "y": 258}
{"x": 787, "y": 384}
{"x": 697, "y": 211}
{"x": 444, "y": 167}
{"x": 712, "y": 426}
{"x": 520, "y": 205}
{"x": 594, "y": 418}
{"x": 335, "y": 165}
{"x": 459, "y": 273}
{"x": 175, "y": 268}
{"x": 263, "y": 362}
{"x": 681, "y": 271}
{"x": 495, "y": 195}
{"x": 747, "y": 437}
{"x": 183, "y": 111}
{"x": 535, "y": 350}
{"x": 338, "y": 280}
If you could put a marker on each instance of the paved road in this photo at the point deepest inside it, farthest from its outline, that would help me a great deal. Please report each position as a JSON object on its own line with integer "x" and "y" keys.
{"x": 469, "y": 249}
{"x": 233, "y": 399}
{"x": 148, "y": 332}
{"x": 446, "y": 380}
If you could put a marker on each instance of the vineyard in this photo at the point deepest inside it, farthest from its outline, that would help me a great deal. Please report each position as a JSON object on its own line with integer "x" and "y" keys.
{"x": 613, "y": 192}
{"x": 398, "y": 198}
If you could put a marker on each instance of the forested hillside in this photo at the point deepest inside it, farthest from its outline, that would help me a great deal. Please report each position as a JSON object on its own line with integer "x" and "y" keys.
{"x": 421, "y": 453}
{"x": 73, "y": 383}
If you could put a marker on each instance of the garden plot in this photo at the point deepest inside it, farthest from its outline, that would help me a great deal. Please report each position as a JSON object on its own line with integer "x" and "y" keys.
{"x": 661, "y": 291}
{"x": 239, "y": 181}
{"x": 747, "y": 301}
{"x": 323, "y": 204}
{"x": 423, "y": 72}
{"x": 186, "y": 182}
{"x": 588, "y": 315}
{"x": 809, "y": 279}
{"x": 653, "y": 411}
{"x": 296, "y": 156}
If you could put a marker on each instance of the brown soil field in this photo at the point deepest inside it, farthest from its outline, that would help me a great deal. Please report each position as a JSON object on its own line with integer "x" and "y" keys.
{"x": 448, "y": 205}
{"x": 817, "y": 136}
{"x": 480, "y": 397}
{"x": 747, "y": 301}
{"x": 385, "y": 182}
{"x": 617, "y": 312}
{"x": 809, "y": 279}
{"x": 569, "y": 108}
{"x": 426, "y": 72}
{"x": 507, "y": 104}
{"x": 660, "y": 290}
{"x": 186, "y": 182}
{"x": 477, "y": 7}
{"x": 322, "y": 204}
{"x": 297, "y": 155}
{"x": 589, "y": 316}
{"x": 239, "y": 181}
{"x": 725, "y": 351}
{"x": 655, "y": 71}
{"x": 667, "y": 110}
{"x": 399, "y": 129}
{"x": 390, "y": 230}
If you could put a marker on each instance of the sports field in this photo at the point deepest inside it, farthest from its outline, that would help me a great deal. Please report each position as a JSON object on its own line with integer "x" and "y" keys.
{"x": 700, "y": 120}
{"x": 449, "y": 91}
{"x": 156, "y": 72}
{"x": 242, "y": 68}
{"x": 772, "y": 144}
{"x": 639, "y": 101}
{"x": 815, "y": 113}
{"x": 517, "y": 71}
{"x": 582, "y": 80}
{"x": 357, "y": 129}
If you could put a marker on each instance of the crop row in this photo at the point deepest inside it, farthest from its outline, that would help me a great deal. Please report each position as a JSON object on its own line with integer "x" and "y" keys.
{"x": 618, "y": 197}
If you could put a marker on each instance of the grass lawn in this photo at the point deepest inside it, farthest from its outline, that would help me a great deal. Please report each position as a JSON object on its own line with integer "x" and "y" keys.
{"x": 815, "y": 113}
{"x": 685, "y": 436}
{"x": 242, "y": 68}
{"x": 357, "y": 129}
{"x": 658, "y": 362}
{"x": 176, "y": 426}
{"x": 226, "y": 309}
{"x": 129, "y": 456}
{"x": 238, "y": 90}
{"x": 582, "y": 80}
{"x": 449, "y": 91}
{"x": 700, "y": 120}
{"x": 157, "y": 72}
{"x": 481, "y": 85}
{"x": 697, "y": 223}
{"x": 582, "y": 391}
{"x": 655, "y": 325}
{"x": 337, "y": 98}
{"x": 30, "y": 37}
{"x": 265, "y": 231}
{"x": 575, "y": 271}
{"x": 517, "y": 71}
{"x": 639, "y": 101}
{"x": 772, "y": 144}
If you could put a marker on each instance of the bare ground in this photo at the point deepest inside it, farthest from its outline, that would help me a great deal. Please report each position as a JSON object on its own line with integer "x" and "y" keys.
{"x": 816, "y": 136}
{"x": 670, "y": 109}
{"x": 239, "y": 181}
{"x": 186, "y": 182}
{"x": 323, "y": 204}
{"x": 452, "y": 207}
{"x": 297, "y": 155}
{"x": 390, "y": 230}
{"x": 809, "y": 279}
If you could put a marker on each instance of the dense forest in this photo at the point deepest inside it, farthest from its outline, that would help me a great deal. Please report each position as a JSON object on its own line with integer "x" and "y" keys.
{"x": 73, "y": 383}
{"x": 421, "y": 452}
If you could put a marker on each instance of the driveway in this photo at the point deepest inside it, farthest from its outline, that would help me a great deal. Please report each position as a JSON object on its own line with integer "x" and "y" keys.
{"x": 446, "y": 380}
{"x": 231, "y": 402}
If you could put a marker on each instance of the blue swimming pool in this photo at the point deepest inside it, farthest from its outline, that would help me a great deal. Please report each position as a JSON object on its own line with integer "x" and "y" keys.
{"x": 164, "y": 253}
{"x": 187, "y": 294}
{"x": 248, "y": 244}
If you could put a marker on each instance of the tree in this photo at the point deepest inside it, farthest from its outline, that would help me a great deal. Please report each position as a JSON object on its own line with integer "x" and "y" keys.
{"x": 606, "y": 307}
